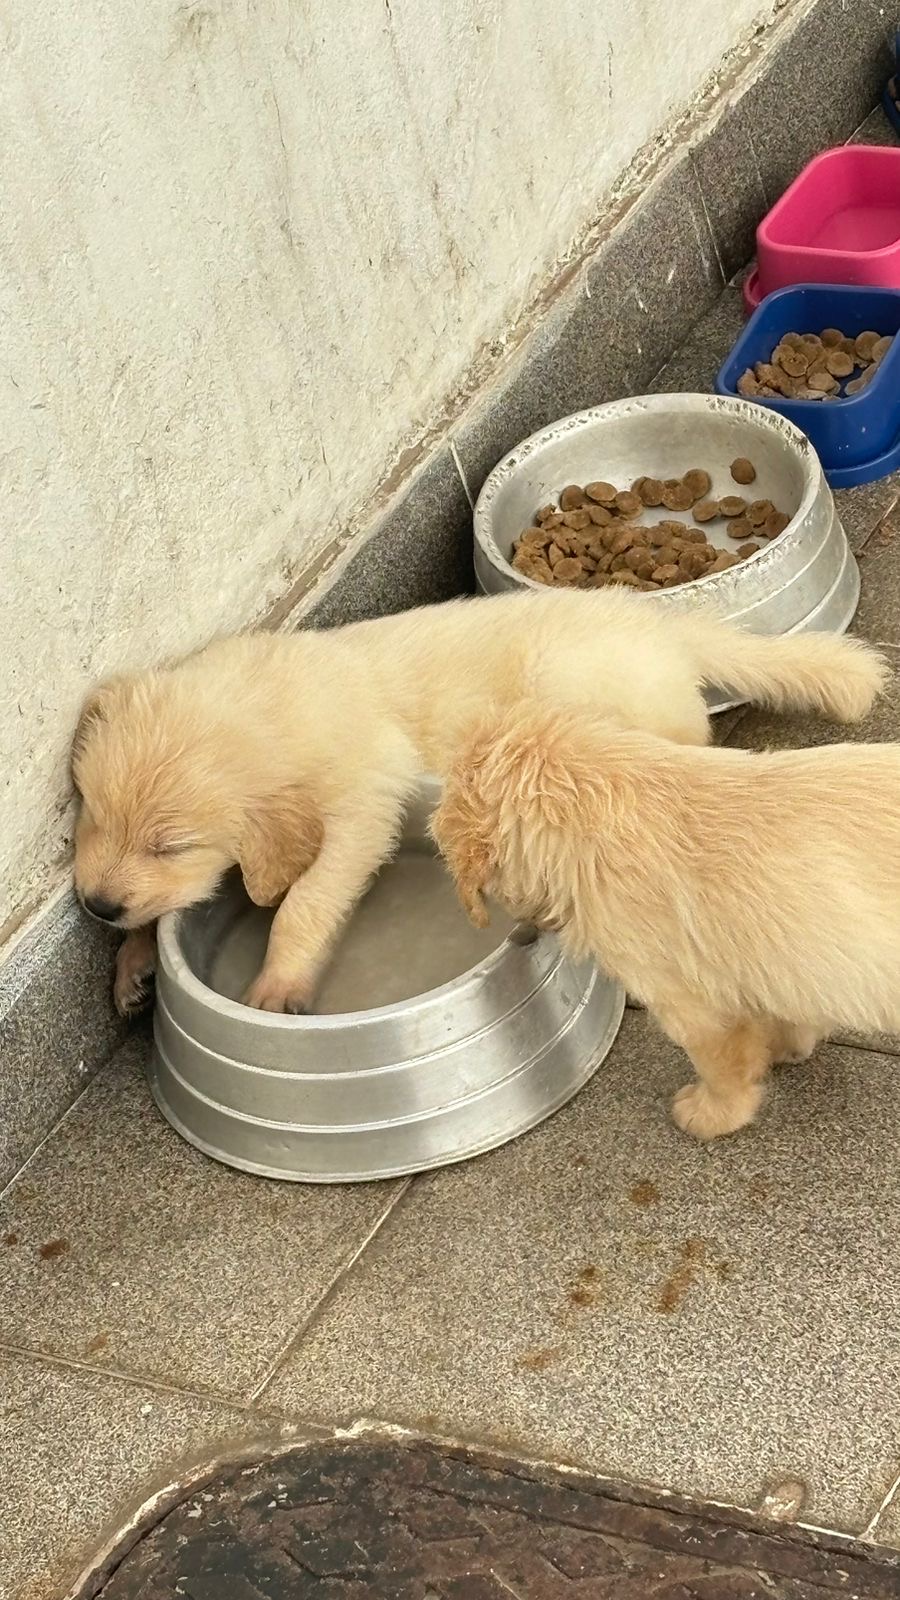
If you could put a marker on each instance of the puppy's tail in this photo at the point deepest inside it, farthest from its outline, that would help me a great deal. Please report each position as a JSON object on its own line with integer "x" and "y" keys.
{"x": 822, "y": 672}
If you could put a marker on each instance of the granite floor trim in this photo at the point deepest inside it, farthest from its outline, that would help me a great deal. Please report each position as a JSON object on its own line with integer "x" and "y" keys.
{"x": 57, "y": 1025}
{"x": 603, "y": 337}
{"x": 418, "y": 552}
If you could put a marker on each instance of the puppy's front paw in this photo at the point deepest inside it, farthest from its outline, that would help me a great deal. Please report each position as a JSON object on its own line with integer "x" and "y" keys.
{"x": 135, "y": 969}
{"x": 274, "y": 992}
{"x": 708, "y": 1116}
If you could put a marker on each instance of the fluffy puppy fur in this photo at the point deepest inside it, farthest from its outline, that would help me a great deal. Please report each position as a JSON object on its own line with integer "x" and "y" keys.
{"x": 738, "y": 895}
{"x": 295, "y": 755}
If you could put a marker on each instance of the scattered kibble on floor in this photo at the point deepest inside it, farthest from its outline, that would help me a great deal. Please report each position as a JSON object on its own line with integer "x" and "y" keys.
{"x": 813, "y": 366}
{"x": 591, "y": 539}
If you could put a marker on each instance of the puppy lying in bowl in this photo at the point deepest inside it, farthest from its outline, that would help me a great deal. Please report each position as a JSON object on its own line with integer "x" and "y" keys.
{"x": 748, "y": 944}
{"x": 293, "y": 756}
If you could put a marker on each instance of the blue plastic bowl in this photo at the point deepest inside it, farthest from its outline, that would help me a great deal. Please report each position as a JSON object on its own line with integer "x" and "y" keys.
{"x": 857, "y": 437}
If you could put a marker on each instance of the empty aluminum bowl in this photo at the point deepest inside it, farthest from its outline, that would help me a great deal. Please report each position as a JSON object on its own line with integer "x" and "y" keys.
{"x": 805, "y": 579}
{"x": 503, "y": 1034}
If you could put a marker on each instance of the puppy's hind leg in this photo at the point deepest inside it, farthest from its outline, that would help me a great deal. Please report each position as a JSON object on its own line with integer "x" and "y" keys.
{"x": 732, "y": 1060}
{"x": 793, "y": 1042}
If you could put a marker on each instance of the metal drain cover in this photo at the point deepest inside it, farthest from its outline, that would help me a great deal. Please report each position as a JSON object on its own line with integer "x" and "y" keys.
{"x": 382, "y": 1521}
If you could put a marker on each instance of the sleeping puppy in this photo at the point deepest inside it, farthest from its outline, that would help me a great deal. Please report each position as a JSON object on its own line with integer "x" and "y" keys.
{"x": 294, "y": 755}
{"x": 752, "y": 902}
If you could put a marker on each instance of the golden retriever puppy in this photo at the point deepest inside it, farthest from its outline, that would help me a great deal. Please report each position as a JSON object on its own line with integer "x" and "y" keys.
{"x": 752, "y": 902}
{"x": 295, "y": 755}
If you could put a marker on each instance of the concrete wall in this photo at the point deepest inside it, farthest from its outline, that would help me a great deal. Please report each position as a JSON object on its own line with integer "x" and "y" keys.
{"x": 247, "y": 250}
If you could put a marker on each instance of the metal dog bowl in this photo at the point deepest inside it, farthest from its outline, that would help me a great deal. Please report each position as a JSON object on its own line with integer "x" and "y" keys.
{"x": 431, "y": 1078}
{"x": 806, "y": 579}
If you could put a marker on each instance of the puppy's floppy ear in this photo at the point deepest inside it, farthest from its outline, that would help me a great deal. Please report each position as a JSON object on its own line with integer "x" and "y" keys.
{"x": 280, "y": 838}
{"x": 460, "y": 830}
{"x": 96, "y": 709}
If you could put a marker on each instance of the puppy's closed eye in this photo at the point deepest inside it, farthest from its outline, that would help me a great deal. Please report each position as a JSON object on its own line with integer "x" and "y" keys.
{"x": 173, "y": 847}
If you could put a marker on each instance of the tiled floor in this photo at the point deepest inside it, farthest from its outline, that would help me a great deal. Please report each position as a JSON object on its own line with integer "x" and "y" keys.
{"x": 602, "y": 1292}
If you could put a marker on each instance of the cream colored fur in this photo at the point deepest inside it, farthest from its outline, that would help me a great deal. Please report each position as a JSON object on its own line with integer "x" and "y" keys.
{"x": 752, "y": 902}
{"x": 294, "y": 755}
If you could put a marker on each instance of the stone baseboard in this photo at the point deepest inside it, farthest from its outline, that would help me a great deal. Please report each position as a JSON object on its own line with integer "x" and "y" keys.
{"x": 57, "y": 1024}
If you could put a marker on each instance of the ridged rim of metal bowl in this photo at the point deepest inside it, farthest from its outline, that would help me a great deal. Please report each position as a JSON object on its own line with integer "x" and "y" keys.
{"x": 463, "y": 983}
{"x": 741, "y": 410}
{"x": 592, "y": 1064}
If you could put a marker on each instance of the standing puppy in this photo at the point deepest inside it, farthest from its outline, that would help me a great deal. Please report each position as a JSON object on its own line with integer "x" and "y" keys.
{"x": 751, "y": 901}
{"x": 295, "y": 755}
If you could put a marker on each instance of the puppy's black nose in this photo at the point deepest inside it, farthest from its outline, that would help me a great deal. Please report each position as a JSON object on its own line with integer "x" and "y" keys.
{"x": 99, "y": 906}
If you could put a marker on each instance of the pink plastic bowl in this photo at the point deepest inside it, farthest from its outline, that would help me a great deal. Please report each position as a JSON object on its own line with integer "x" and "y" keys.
{"x": 839, "y": 222}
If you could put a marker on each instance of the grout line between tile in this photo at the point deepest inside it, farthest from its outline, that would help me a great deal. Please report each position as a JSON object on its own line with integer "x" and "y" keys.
{"x": 460, "y": 469}
{"x": 888, "y": 512}
{"x": 515, "y": 1594}
{"x": 880, "y": 1051}
{"x": 735, "y": 725}
{"x": 134, "y": 1380}
{"x": 312, "y": 1316}
{"x": 56, "y": 1126}
{"x": 870, "y": 1530}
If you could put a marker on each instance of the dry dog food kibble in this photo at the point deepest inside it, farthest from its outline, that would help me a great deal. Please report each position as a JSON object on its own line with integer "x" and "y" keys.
{"x": 677, "y": 497}
{"x": 705, "y": 510}
{"x": 603, "y": 493}
{"x": 732, "y": 505}
{"x": 698, "y": 482}
{"x": 571, "y": 498}
{"x": 739, "y": 528}
{"x": 593, "y": 536}
{"x": 811, "y": 366}
{"x": 649, "y": 491}
{"x": 758, "y": 511}
{"x": 628, "y": 503}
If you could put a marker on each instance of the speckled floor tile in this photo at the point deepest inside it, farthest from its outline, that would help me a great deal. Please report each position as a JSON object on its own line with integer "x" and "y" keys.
{"x": 863, "y": 508}
{"x": 75, "y": 1449}
{"x": 725, "y": 723}
{"x": 609, "y": 1292}
{"x": 878, "y": 616}
{"x": 122, "y": 1246}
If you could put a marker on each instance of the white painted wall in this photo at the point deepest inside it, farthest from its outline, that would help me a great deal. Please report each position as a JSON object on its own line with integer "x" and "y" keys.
{"x": 247, "y": 248}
